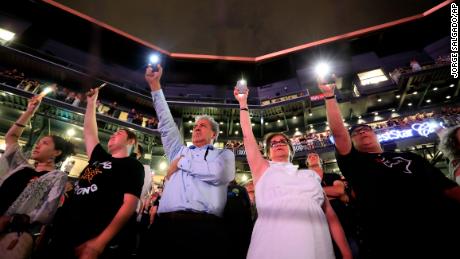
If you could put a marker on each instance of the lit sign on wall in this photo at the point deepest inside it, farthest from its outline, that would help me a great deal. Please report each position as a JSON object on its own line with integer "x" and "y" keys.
{"x": 394, "y": 134}
{"x": 417, "y": 129}
{"x": 317, "y": 97}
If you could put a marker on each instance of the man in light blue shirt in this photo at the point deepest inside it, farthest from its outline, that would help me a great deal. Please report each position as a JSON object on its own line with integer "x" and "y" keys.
{"x": 195, "y": 190}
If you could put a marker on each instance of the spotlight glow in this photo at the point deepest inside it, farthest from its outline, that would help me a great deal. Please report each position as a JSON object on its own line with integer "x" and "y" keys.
{"x": 322, "y": 69}
{"x": 6, "y": 35}
{"x": 163, "y": 165}
{"x": 70, "y": 132}
{"x": 154, "y": 59}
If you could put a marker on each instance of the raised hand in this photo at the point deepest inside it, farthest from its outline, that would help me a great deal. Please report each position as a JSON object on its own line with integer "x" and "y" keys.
{"x": 327, "y": 89}
{"x": 92, "y": 94}
{"x": 153, "y": 77}
{"x": 34, "y": 103}
{"x": 241, "y": 98}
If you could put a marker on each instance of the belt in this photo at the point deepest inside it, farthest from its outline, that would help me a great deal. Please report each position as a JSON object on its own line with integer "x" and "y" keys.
{"x": 188, "y": 215}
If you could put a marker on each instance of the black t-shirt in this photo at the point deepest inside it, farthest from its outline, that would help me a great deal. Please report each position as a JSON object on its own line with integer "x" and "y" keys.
{"x": 394, "y": 188}
{"x": 329, "y": 179}
{"x": 99, "y": 192}
{"x": 13, "y": 186}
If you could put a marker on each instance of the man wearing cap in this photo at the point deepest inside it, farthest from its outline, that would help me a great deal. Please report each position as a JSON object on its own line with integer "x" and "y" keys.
{"x": 408, "y": 207}
{"x": 195, "y": 191}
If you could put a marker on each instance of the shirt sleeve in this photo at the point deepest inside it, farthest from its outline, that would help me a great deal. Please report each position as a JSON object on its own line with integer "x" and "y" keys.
{"x": 170, "y": 135}
{"x": 133, "y": 178}
{"x": 433, "y": 176}
{"x": 98, "y": 154}
{"x": 13, "y": 156}
{"x": 347, "y": 162}
{"x": 219, "y": 171}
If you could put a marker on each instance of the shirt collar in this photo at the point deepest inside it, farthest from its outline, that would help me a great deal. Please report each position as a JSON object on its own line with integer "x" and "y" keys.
{"x": 208, "y": 146}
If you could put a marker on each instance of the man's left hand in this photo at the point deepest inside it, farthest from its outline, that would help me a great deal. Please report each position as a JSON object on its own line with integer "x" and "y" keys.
{"x": 173, "y": 167}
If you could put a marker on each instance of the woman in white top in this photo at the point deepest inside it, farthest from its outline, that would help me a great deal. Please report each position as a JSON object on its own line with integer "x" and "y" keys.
{"x": 295, "y": 219}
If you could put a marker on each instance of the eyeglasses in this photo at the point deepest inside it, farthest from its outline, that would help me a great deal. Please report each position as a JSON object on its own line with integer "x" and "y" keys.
{"x": 358, "y": 130}
{"x": 283, "y": 142}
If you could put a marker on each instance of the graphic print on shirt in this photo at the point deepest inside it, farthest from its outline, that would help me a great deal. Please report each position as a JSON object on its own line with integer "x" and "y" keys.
{"x": 396, "y": 162}
{"x": 88, "y": 174}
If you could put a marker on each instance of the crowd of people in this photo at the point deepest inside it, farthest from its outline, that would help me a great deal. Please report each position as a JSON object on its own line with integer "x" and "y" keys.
{"x": 78, "y": 99}
{"x": 376, "y": 211}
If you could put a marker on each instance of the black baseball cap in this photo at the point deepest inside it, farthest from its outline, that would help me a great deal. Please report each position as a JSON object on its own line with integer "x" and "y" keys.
{"x": 354, "y": 127}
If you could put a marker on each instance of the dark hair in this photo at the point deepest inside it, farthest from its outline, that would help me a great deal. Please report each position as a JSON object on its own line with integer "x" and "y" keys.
{"x": 131, "y": 135}
{"x": 319, "y": 158}
{"x": 449, "y": 144}
{"x": 140, "y": 149}
{"x": 66, "y": 148}
{"x": 269, "y": 137}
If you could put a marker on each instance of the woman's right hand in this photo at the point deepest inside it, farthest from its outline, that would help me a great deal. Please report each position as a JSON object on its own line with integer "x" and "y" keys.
{"x": 241, "y": 98}
{"x": 34, "y": 103}
{"x": 326, "y": 88}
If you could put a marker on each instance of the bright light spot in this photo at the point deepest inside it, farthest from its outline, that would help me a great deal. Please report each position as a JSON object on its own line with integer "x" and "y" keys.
{"x": 322, "y": 69}
{"x": 6, "y": 35}
{"x": 448, "y": 97}
{"x": 451, "y": 86}
{"x": 428, "y": 101}
{"x": 398, "y": 96}
{"x": 154, "y": 59}
{"x": 379, "y": 100}
{"x": 415, "y": 93}
{"x": 393, "y": 110}
{"x": 252, "y": 124}
{"x": 236, "y": 132}
{"x": 435, "y": 89}
{"x": 70, "y": 132}
{"x": 266, "y": 123}
{"x": 237, "y": 123}
{"x": 376, "y": 113}
{"x": 295, "y": 117}
{"x": 372, "y": 77}
{"x": 410, "y": 104}
{"x": 359, "y": 117}
{"x": 163, "y": 165}
{"x": 296, "y": 129}
{"x": 221, "y": 123}
{"x": 310, "y": 114}
{"x": 221, "y": 132}
{"x": 278, "y": 120}
{"x": 46, "y": 91}
{"x": 244, "y": 178}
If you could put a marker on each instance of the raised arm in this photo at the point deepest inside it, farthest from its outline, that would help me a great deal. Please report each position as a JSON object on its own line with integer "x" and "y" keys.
{"x": 256, "y": 161}
{"x": 15, "y": 132}
{"x": 170, "y": 135}
{"x": 334, "y": 117}
{"x": 90, "y": 124}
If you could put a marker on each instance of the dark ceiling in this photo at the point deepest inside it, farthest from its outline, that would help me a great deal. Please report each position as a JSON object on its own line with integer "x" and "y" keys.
{"x": 242, "y": 28}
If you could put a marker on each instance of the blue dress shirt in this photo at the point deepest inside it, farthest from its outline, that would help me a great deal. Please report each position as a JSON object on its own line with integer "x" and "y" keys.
{"x": 200, "y": 184}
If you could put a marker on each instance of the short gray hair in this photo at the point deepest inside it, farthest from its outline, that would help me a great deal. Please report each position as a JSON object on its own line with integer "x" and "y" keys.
{"x": 214, "y": 124}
